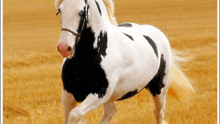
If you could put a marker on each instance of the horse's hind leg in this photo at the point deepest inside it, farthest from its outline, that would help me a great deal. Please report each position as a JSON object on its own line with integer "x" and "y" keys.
{"x": 160, "y": 103}
{"x": 109, "y": 111}
{"x": 160, "y": 99}
{"x": 158, "y": 87}
{"x": 68, "y": 104}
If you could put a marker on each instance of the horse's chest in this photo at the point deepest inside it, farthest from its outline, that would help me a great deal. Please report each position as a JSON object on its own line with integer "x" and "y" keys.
{"x": 81, "y": 78}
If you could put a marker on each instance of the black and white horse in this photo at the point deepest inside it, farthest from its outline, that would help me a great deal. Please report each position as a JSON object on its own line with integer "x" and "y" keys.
{"x": 104, "y": 63}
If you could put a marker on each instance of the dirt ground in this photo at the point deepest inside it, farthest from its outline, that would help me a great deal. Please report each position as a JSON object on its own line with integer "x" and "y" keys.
{"x": 31, "y": 64}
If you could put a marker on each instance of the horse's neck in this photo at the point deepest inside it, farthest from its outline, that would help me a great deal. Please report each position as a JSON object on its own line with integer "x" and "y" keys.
{"x": 99, "y": 23}
{"x": 98, "y": 20}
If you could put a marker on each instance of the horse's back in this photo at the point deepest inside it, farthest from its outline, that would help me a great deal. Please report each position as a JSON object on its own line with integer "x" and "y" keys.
{"x": 154, "y": 37}
{"x": 136, "y": 30}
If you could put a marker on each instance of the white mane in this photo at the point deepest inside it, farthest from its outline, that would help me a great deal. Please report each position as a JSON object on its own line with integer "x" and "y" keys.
{"x": 109, "y": 7}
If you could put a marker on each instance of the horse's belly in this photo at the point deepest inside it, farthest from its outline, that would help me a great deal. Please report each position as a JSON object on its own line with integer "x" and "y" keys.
{"x": 123, "y": 91}
{"x": 130, "y": 85}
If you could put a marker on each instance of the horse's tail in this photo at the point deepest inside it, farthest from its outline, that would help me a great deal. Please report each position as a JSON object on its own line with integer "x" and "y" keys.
{"x": 181, "y": 87}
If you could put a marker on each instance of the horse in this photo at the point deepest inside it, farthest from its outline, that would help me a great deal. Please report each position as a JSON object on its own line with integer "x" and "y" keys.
{"x": 104, "y": 63}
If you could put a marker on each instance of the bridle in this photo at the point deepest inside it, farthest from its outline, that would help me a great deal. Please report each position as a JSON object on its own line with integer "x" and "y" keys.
{"x": 68, "y": 30}
{"x": 83, "y": 20}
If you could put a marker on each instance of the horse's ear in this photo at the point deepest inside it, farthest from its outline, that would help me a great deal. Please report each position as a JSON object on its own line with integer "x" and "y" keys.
{"x": 58, "y": 12}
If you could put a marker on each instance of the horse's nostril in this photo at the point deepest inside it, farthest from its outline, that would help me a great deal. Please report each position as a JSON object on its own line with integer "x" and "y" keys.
{"x": 69, "y": 48}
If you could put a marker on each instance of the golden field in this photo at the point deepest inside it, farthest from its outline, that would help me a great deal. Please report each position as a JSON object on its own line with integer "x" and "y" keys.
{"x": 31, "y": 64}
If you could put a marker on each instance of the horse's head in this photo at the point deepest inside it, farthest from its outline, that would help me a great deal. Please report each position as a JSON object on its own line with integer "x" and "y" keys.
{"x": 74, "y": 15}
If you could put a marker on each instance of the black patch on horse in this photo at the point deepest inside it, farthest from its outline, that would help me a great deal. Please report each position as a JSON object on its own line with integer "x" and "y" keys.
{"x": 83, "y": 74}
{"x": 156, "y": 84}
{"x": 151, "y": 42}
{"x": 125, "y": 25}
{"x": 97, "y": 4}
{"x": 128, "y": 95}
{"x": 129, "y": 36}
{"x": 102, "y": 43}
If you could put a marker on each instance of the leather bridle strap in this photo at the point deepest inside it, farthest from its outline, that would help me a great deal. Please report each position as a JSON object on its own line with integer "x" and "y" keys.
{"x": 65, "y": 29}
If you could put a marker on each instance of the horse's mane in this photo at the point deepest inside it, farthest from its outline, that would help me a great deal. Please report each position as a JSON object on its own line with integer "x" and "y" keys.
{"x": 109, "y": 7}
{"x": 111, "y": 11}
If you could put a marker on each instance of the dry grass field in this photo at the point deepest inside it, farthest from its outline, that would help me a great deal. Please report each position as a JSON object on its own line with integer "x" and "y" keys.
{"x": 31, "y": 64}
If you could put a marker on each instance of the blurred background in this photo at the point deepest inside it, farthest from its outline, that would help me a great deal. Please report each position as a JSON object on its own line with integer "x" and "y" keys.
{"x": 31, "y": 64}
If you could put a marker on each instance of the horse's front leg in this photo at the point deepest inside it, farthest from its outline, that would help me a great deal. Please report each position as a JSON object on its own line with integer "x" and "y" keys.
{"x": 91, "y": 102}
{"x": 68, "y": 104}
{"x": 109, "y": 111}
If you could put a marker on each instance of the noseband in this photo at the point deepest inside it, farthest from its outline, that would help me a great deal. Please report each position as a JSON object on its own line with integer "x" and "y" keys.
{"x": 84, "y": 16}
{"x": 68, "y": 30}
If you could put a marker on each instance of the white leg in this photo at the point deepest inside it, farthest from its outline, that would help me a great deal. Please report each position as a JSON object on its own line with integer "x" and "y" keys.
{"x": 93, "y": 101}
{"x": 109, "y": 111}
{"x": 160, "y": 103}
{"x": 68, "y": 104}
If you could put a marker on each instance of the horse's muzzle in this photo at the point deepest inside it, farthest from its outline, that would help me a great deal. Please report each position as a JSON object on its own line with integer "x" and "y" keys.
{"x": 65, "y": 50}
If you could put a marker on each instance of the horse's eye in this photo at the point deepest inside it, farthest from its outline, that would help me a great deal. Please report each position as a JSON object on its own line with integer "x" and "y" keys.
{"x": 58, "y": 12}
